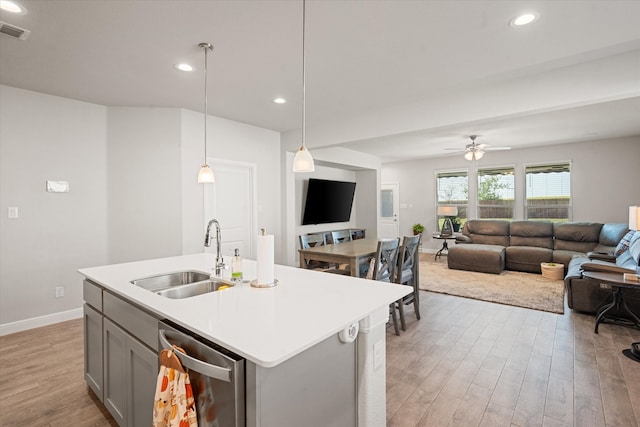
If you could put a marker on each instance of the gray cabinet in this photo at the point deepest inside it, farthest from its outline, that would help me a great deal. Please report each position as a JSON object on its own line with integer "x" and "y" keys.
{"x": 130, "y": 373}
{"x": 115, "y": 358}
{"x": 93, "y": 350}
{"x": 121, "y": 355}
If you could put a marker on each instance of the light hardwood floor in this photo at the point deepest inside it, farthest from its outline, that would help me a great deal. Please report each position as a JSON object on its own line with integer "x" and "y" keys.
{"x": 466, "y": 363}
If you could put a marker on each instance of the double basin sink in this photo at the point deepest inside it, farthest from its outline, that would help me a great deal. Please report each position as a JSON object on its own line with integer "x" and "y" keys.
{"x": 182, "y": 284}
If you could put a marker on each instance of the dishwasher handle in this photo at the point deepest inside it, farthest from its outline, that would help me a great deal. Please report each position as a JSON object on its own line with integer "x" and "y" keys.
{"x": 204, "y": 368}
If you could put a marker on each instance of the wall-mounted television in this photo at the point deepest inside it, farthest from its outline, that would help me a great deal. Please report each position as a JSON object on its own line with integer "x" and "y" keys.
{"x": 328, "y": 201}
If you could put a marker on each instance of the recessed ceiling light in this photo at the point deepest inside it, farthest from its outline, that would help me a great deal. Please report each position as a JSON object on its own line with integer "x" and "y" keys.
{"x": 524, "y": 19}
{"x": 13, "y": 7}
{"x": 279, "y": 100}
{"x": 183, "y": 67}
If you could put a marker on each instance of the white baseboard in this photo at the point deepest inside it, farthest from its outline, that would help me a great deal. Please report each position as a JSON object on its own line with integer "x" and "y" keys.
{"x": 36, "y": 322}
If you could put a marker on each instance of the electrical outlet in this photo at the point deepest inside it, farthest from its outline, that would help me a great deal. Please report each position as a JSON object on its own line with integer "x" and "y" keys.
{"x": 12, "y": 212}
{"x": 59, "y": 291}
{"x": 378, "y": 355}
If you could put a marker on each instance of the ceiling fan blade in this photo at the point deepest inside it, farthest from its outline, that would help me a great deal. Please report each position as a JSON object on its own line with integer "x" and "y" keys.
{"x": 497, "y": 148}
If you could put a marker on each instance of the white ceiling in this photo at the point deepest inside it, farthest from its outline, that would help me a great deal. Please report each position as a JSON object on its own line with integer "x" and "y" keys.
{"x": 398, "y": 79}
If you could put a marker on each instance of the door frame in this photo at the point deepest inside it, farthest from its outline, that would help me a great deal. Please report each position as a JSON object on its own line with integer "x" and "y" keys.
{"x": 395, "y": 187}
{"x": 253, "y": 198}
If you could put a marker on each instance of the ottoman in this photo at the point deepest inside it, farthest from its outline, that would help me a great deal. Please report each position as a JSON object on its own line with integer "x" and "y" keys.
{"x": 477, "y": 257}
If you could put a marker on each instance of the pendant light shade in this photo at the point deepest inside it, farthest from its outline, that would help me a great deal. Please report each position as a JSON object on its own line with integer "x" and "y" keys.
{"x": 303, "y": 162}
{"x": 205, "y": 176}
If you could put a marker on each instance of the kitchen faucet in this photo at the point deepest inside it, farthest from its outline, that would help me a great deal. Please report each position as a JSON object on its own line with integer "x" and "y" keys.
{"x": 219, "y": 265}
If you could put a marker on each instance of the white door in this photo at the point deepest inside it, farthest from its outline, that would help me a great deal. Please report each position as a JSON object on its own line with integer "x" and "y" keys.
{"x": 389, "y": 209}
{"x": 232, "y": 201}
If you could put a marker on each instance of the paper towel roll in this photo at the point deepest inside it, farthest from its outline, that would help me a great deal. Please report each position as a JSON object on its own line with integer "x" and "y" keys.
{"x": 265, "y": 259}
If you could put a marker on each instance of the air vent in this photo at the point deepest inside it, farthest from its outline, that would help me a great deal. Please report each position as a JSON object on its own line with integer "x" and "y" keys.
{"x": 13, "y": 31}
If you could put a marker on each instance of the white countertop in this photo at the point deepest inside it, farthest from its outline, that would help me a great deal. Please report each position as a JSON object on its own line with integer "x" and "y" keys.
{"x": 265, "y": 325}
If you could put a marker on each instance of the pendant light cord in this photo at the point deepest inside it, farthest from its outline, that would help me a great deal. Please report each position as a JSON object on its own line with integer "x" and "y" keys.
{"x": 206, "y": 47}
{"x": 206, "y": 52}
{"x": 303, "y": 77}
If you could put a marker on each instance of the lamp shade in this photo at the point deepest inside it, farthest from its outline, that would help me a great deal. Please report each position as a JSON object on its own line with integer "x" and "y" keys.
{"x": 447, "y": 210}
{"x": 303, "y": 162}
{"x": 634, "y": 217}
{"x": 205, "y": 176}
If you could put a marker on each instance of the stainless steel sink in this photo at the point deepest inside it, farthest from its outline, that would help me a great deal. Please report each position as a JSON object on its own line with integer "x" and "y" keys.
{"x": 194, "y": 289}
{"x": 181, "y": 284}
{"x": 170, "y": 280}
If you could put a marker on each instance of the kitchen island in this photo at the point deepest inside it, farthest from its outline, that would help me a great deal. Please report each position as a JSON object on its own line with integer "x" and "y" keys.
{"x": 277, "y": 330}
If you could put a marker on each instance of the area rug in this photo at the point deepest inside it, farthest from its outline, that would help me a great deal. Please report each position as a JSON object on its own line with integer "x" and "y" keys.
{"x": 510, "y": 287}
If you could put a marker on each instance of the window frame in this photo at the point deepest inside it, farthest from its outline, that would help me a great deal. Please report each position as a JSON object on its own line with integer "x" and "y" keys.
{"x": 462, "y": 207}
{"x": 525, "y": 203}
{"x": 508, "y": 167}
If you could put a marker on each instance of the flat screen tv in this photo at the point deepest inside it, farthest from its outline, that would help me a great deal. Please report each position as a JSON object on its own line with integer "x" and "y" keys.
{"x": 328, "y": 201}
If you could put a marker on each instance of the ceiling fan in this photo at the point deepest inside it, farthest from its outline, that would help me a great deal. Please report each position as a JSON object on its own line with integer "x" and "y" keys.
{"x": 475, "y": 151}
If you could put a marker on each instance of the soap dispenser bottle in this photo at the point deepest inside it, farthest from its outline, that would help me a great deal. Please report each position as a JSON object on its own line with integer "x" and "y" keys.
{"x": 236, "y": 266}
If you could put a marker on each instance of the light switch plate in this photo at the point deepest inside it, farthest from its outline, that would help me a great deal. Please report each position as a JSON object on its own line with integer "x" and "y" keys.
{"x": 12, "y": 212}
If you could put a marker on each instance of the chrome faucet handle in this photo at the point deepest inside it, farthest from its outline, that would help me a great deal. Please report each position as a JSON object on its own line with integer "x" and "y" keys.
{"x": 220, "y": 266}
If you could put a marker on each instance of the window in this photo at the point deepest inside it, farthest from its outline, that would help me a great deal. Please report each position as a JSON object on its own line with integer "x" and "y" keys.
{"x": 453, "y": 190}
{"x": 496, "y": 193}
{"x": 548, "y": 192}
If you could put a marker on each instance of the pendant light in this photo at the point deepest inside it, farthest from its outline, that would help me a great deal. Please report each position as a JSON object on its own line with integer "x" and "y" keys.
{"x": 205, "y": 176}
{"x": 303, "y": 162}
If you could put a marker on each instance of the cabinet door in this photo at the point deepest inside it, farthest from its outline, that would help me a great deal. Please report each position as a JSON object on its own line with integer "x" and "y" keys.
{"x": 93, "y": 350}
{"x": 142, "y": 374}
{"x": 115, "y": 367}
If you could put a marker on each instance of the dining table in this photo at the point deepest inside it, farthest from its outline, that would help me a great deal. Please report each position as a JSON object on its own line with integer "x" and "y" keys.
{"x": 354, "y": 253}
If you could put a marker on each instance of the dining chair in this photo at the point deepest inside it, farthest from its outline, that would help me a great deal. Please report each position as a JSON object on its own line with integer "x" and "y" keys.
{"x": 308, "y": 241}
{"x": 384, "y": 269}
{"x": 337, "y": 237}
{"x": 340, "y": 236}
{"x": 408, "y": 274}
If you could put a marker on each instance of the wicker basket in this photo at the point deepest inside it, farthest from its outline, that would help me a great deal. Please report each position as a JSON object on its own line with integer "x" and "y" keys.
{"x": 552, "y": 270}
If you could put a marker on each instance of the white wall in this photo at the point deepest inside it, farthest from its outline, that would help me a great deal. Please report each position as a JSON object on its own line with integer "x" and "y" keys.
{"x": 229, "y": 140}
{"x": 144, "y": 175}
{"x": 604, "y": 180}
{"x": 335, "y": 163}
{"x": 134, "y": 193}
{"x": 42, "y": 138}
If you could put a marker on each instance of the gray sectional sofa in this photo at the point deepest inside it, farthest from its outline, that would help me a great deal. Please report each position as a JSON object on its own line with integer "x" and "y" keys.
{"x": 492, "y": 246}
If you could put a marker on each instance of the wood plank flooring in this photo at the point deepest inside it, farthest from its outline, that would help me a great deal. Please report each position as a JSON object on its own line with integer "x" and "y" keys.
{"x": 466, "y": 363}
{"x": 473, "y": 363}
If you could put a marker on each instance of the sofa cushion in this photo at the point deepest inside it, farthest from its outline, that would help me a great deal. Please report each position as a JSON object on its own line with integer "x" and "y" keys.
{"x": 527, "y": 258}
{"x": 477, "y": 257}
{"x": 565, "y": 257}
{"x": 623, "y": 245}
{"x": 487, "y": 231}
{"x": 576, "y": 236}
{"x": 532, "y": 233}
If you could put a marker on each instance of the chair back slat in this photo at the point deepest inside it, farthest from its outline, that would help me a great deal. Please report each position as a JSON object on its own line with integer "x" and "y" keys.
{"x": 341, "y": 236}
{"x": 408, "y": 259}
{"x": 308, "y": 241}
{"x": 386, "y": 260}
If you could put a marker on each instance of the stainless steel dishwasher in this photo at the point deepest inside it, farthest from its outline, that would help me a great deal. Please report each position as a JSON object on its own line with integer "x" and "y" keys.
{"x": 217, "y": 376}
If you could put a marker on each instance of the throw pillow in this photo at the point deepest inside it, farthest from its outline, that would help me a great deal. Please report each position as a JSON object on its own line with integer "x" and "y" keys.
{"x": 623, "y": 245}
{"x": 634, "y": 247}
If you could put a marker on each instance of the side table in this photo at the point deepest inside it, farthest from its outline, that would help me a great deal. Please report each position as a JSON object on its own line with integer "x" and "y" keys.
{"x": 445, "y": 246}
{"x": 617, "y": 284}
